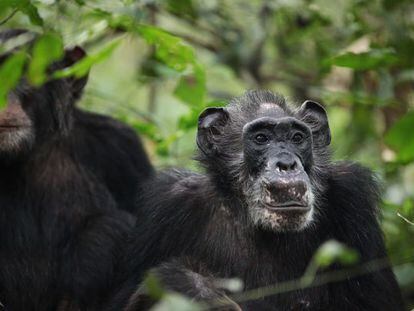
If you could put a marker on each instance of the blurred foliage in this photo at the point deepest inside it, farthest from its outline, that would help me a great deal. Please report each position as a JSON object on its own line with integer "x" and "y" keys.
{"x": 157, "y": 64}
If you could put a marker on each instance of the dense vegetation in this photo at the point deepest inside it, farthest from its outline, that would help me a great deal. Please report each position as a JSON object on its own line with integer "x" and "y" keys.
{"x": 157, "y": 64}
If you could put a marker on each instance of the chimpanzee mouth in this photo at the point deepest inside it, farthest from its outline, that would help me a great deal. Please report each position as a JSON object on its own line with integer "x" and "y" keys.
{"x": 290, "y": 206}
{"x": 287, "y": 196}
{"x": 12, "y": 126}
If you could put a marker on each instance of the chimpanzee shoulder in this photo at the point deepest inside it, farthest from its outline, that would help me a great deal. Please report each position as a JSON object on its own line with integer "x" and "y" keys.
{"x": 114, "y": 152}
{"x": 183, "y": 200}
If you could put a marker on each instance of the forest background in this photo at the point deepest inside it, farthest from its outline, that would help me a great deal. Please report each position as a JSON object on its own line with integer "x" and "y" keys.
{"x": 157, "y": 64}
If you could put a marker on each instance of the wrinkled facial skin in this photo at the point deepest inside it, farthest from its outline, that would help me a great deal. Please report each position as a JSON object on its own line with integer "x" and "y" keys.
{"x": 277, "y": 150}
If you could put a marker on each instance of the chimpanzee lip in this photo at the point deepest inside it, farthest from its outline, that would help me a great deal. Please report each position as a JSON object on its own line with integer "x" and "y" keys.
{"x": 12, "y": 126}
{"x": 288, "y": 206}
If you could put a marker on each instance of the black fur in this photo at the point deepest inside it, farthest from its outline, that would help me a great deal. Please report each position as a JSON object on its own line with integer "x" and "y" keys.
{"x": 64, "y": 194}
{"x": 203, "y": 218}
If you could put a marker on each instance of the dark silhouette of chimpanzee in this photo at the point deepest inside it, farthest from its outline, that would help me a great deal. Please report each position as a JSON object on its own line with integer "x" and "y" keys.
{"x": 269, "y": 198}
{"x": 68, "y": 178}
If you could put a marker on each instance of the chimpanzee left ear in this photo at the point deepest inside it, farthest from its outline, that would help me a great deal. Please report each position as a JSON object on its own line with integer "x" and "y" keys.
{"x": 71, "y": 57}
{"x": 316, "y": 117}
{"x": 210, "y": 126}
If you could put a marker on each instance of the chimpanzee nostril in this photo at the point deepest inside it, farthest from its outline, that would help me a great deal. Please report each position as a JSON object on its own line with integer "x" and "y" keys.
{"x": 286, "y": 165}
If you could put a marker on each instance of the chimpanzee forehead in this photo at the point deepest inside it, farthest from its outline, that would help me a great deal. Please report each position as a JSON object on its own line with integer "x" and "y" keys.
{"x": 271, "y": 110}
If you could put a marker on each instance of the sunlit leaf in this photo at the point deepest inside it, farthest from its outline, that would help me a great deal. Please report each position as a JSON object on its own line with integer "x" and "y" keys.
{"x": 82, "y": 67}
{"x": 5, "y": 5}
{"x": 147, "y": 129}
{"x": 400, "y": 138}
{"x": 10, "y": 73}
{"x": 164, "y": 145}
{"x": 47, "y": 49}
{"x": 189, "y": 120}
{"x": 173, "y": 301}
{"x": 232, "y": 285}
{"x": 333, "y": 251}
{"x": 170, "y": 49}
{"x": 26, "y": 7}
{"x": 372, "y": 59}
{"x": 153, "y": 287}
{"x": 191, "y": 89}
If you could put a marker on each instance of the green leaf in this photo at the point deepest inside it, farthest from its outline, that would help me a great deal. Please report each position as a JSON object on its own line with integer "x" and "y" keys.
{"x": 164, "y": 145}
{"x": 46, "y": 50}
{"x": 333, "y": 251}
{"x": 153, "y": 287}
{"x": 189, "y": 120}
{"x": 26, "y": 7}
{"x": 80, "y": 2}
{"x": 400, "y": 138}
{"x": 10, "y": 73}
{"x": 372, "y": 59}
{"x": 82, "y": 67}
{"x": 191, "y": 89}
{"x": 171, "y": 50}
{"x": 5, "y": 5}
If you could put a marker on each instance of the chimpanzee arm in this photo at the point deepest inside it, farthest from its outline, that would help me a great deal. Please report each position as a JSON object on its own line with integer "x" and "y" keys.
{"x": 353, "y": 197}
{"x": 90, "y": 257}
{"x": 114, "y": 153}
{"x": 170, "y": 221}
{"x": 187, "y": 278}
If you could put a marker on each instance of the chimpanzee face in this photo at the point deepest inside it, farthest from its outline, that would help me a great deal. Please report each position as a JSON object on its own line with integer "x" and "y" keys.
{"x": 36, "y": 114}
{"x": 16, "y": 127}
{"x": 277, "y": 151}
{"x": 270, "y": 154}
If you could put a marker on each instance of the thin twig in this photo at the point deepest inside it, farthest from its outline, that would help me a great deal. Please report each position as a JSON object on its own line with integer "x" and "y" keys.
{"x": 321, "y": 279}
{"x": 8, "y": 17}
{"x": 405, "y": 219}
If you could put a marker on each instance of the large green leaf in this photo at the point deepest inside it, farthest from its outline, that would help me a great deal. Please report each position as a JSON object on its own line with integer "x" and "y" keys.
{"x": 401, "y": 138}
{"x": 24, "y": 6}
{"x": 48, "y": 48}
{"x": 191, "y": 89}
{"x": 10, "y": 73}
{"x": 372, "y": 59}
{"x": 82, "y": 67}
{"x": 170, "y": 49}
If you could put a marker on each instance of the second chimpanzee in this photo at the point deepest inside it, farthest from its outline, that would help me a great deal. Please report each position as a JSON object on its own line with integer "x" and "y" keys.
{"x": 270, "y": 197}
{"x": 67, "y": 179}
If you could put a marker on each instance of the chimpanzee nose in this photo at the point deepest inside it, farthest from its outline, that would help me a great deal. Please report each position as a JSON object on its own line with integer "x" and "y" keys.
{"x": 286, "y": 164}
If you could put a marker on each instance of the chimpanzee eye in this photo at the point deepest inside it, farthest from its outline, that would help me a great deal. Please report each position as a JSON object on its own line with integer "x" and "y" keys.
{"x": 297, "y": 138}
{"x": 261, "y": 139}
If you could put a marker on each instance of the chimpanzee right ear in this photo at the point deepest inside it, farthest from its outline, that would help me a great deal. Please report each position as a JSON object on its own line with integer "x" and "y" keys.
{"x": 316, "y": 117}
{"x": 210, "y": 126}
{"x": 71, "y": 57}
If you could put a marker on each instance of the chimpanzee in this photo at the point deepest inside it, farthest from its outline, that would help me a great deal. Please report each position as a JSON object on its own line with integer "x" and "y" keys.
{"x": 269, "y": 198}
{"x": 68, "y": 178}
